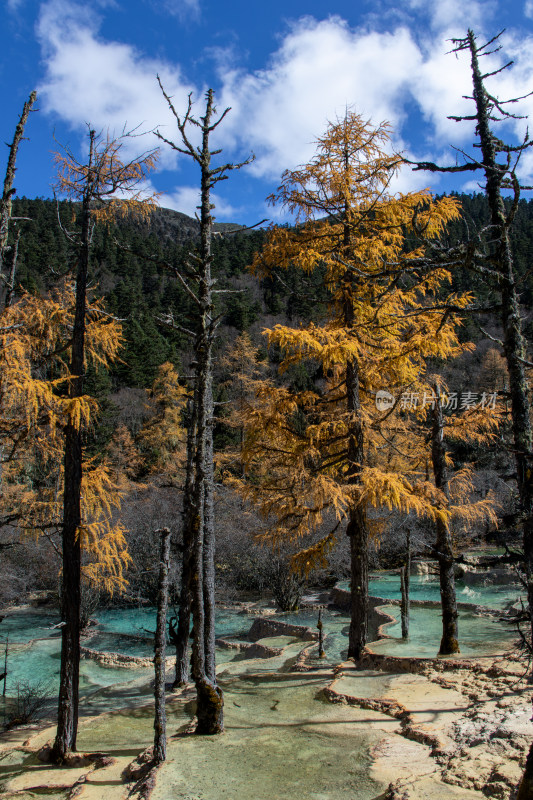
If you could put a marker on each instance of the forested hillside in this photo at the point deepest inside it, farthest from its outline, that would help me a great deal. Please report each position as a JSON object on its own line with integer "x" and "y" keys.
{"x": 132, "y": 265}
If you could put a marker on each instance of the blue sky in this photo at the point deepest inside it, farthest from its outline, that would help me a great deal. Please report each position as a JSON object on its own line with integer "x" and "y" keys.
{"x": 285, "y": 68}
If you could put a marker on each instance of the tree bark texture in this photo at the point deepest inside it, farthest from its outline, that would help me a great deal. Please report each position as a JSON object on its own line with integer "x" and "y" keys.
{"x": 357, "y": 528}
{"x": 160, "y": 717}
{"x": 405, "y": 579}
{"x": 209, "y": 549}
{"x": 6, "y": 202}
{"x": 67, "y": 722}
{"x": 450, "y": 636}
{"x": 525, "y": 790}
{"x": 10, "y": 283}
{"x": 8, "y": 189}
{"x": 184, "y": 614}
{"x": 209, "y": 696}
{"x": 513, "y": 339}
{"x": 210, "y": 702}
{"x": 357, "y": 533}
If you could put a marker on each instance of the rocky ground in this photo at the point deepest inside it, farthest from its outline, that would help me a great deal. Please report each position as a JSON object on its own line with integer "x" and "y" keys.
{"x": 395, "y": 729}
{"x": 465, "y": 728}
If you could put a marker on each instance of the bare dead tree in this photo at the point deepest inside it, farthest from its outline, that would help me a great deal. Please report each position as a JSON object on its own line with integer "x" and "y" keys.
{"x": 196, "y": 278}
{"x": 183, "y": 627}
{"x": 160, "y": 717}
{"x": 405, "y": 578}
{"x": 499, "y": 163}
{"x": 6, "y": 203}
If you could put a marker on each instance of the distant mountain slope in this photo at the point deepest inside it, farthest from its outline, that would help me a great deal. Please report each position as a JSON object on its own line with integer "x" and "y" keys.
{"x": 128, "y": 265}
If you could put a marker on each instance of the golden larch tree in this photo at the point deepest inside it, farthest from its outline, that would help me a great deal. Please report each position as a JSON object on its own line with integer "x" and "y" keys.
{"x": 163, "y": 436}
{"x": 332, "y": 451}
{"x": 105, "y": 186}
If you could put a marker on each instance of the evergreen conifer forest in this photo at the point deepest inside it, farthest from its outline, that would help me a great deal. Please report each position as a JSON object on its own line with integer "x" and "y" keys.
{"x": 266, "y": 493}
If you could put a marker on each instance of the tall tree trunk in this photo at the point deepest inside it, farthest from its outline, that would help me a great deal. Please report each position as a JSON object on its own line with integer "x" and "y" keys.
{"x": 514, "y": 348}
{"x": 184, "y": 614}
{"x": 160, "y": 717}
{"x": 405, "y": 579}
{"x": 210, "y": 702}
{"x": 513, "y": 339}
{"x": 356, "y": 531}
{"x": 10, "y": 283}
{"x": 450, "y": 641}
{"x": 209, "y": 551}
{"x": 6, "y": 201}
{"x": 67, "y": 721}
{"x": 209, "y": 696}
{"x": 357, "y": 528}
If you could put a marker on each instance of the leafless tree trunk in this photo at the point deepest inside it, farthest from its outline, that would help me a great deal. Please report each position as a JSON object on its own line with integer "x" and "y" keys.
{"x": 513, "y": 339}
{"x": 405, "y": 579}
{"x": 498, "y": 163}
{"x": 10, "y": 283}
{"x": 184, "y": 614}
{"x": 160, "y": 717}
{"x": 199, "y": 284}
{"x": 6, "y": 204}
{"x": 449, "y": 642}
{"x": 209, "y": 550}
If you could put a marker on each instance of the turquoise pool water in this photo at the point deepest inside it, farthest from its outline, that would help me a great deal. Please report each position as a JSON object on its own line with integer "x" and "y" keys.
{"x": 477, "y": 635}
{"x": 35, "y": 644}
{"x": 426, "y": 587}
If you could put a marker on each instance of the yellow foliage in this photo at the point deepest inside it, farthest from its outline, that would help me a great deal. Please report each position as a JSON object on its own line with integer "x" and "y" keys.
{"x": 40, "y": 398}
{"x": 164, "y": 434}
{"x": 102, "y": 539}
{"x": 123, "y": 454}
{"x": 34, "y": 408}
{"x": 388, "y": 316}
{"x": 114, "y": 185}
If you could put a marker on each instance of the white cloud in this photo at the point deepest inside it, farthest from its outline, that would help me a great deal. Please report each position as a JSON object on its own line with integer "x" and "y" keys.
{"x": 438, "y": 88}
{"x": 184, "y": 199}
{"x": 528, "y": 9}
{"x": 455, "y": 16}
{"x": 319, "y": 70}
{"x": 187, "y": 199}
{"x": 107, "y": 84}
